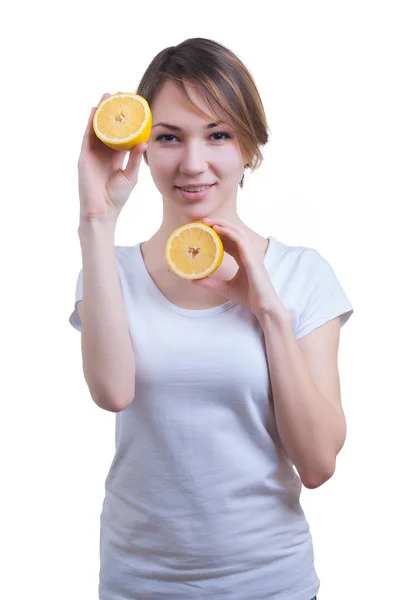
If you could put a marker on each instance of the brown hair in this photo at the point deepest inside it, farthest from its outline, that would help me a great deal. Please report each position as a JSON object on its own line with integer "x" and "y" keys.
{"x": 225, "y": 84}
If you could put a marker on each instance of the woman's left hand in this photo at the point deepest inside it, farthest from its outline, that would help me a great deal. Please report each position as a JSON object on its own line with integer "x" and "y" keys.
{"x": 251, "y": 286}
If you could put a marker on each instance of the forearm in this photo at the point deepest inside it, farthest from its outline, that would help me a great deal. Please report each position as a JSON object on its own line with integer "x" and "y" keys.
{"x": 107, "y": 353}
{"x": 311, "y": 428}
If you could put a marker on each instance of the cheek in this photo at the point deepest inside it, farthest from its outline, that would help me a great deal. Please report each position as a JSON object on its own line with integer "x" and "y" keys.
{"x": 232, "y": 161}
{"x": 161, "y": 165}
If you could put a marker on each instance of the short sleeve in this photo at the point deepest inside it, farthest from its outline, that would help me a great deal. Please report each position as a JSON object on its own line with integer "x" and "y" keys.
{"x": 323, "y": 298}
{"x": 124, "y": 260}
{"x": 74, "y": 319}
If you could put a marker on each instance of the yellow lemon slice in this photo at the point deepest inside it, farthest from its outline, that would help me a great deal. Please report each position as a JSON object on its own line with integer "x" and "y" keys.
{"x": 194, "y": 251}
{"x": 123, "y": 121}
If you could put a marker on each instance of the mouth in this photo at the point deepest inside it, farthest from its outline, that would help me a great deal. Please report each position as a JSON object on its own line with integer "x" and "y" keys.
{"x": 192, "y": 192}
{"x": 195, "y": 188}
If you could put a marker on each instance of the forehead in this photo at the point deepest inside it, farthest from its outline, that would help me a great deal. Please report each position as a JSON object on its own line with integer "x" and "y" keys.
{"x": 171, "y": 106}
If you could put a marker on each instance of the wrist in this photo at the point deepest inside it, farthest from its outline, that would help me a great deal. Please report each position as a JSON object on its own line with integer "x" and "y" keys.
{"x": 275, "y": 317}
{"x": 89, "y": 226}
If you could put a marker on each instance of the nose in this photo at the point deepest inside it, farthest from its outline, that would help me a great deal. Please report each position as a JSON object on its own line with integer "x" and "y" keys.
{"x": 193, "y": 159}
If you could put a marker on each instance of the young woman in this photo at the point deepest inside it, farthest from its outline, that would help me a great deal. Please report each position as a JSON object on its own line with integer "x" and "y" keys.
{"x": 226, "y": 390}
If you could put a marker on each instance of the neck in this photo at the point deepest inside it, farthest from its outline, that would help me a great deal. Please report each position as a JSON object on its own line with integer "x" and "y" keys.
{"x": 173, "y": 217}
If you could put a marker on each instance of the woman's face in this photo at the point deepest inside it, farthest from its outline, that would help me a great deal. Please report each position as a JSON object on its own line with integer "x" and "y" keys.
{"x": 186, "y": 150}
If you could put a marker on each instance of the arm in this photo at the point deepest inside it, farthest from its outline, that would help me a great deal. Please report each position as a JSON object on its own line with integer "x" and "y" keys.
{"x": 303, "y": 374}
{"x": 107, "y": 353}
{"x": 306, "y": 394}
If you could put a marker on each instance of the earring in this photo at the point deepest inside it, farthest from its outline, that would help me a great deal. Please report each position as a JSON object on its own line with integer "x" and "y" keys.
{"x": 241, "y": 183}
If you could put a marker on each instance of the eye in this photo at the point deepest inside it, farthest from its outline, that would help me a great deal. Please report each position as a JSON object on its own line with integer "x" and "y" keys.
{"x": 162, "y": 138}
{"x": 167, "y": 138}
{"x": 221, "y": 133}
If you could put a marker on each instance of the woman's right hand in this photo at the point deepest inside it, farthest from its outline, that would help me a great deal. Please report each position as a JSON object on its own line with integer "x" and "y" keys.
{"x": 104, "y": 187}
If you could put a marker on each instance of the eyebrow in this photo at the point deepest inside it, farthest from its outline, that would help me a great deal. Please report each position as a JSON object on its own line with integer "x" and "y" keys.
{"x": 176, "y": 128}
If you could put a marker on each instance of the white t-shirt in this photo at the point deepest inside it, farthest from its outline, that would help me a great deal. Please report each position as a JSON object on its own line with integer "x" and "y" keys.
{"x": 201, "y": 501}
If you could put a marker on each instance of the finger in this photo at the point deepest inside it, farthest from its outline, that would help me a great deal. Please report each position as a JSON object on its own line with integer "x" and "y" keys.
{"x": 89, "y": 136}
{"x": 232, "y": 231}
{"x": 220, "y": 222}
{"x": 230, "y": 234}
{"x": 87, "y": 141}
{"x": 134, "y": 161}
{"x": 234, "y": 243}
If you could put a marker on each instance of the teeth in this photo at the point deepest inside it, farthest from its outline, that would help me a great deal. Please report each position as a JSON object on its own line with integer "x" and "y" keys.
{"x": 195, "y": 189}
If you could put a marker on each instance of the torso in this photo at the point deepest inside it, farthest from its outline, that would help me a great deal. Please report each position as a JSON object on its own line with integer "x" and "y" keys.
{"x": 180, "y": 291}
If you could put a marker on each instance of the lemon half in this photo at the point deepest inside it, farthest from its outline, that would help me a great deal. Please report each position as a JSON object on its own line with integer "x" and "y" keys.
{"x": 123, "y": 121}
{"x": 194, "y": 251}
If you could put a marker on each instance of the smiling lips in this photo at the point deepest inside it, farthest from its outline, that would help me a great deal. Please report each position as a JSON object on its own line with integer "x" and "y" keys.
{"x": 195, "y": 188}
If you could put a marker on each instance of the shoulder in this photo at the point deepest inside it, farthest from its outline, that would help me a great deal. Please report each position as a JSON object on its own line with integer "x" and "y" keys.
{"x": 126, "y": 258}
{"x": 296, "y": 260}
{"x": 125, "y": 253}
{"x": 308, "y": 286}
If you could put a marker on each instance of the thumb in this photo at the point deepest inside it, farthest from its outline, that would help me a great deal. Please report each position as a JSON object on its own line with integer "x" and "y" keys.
{"x": 134, "y": 161}
{"x": 214, "y": 285}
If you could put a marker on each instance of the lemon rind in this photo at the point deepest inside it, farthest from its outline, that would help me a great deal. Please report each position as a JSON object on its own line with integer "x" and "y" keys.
{"x": 130, "y": 137}
{"x": 212, "y": 268}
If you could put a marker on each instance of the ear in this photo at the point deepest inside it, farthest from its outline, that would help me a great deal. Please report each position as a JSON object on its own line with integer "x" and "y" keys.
{"x": 247, "y": 160}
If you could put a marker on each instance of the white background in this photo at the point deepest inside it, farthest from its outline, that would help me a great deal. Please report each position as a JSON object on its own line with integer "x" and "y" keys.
{"x": 329, "y": 77}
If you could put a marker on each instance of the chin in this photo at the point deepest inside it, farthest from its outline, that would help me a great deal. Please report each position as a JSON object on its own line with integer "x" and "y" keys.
{"x": 199, "y": 212}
